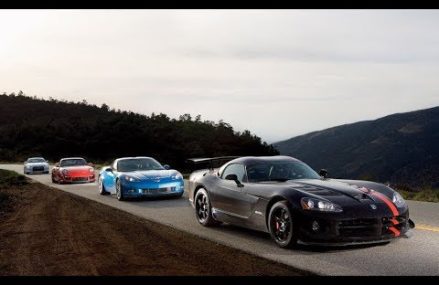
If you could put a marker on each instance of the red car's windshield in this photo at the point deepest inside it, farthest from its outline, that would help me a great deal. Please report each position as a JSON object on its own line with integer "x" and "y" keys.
{"x": 73, "y": 162}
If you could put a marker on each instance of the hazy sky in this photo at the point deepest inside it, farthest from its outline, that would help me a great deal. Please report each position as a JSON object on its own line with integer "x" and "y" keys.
{"x": 276, "y": 73}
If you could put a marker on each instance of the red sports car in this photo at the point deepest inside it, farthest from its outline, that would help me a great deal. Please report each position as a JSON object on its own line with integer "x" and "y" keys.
{"x": 72, "y": 170}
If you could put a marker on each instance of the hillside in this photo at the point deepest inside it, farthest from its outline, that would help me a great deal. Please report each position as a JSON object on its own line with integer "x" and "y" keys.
{"x": 54, "y": 129}
{"x": 400, "y": 148}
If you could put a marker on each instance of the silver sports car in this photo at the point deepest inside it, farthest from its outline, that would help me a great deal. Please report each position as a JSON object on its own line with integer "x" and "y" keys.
{"x": 36, "y": 165}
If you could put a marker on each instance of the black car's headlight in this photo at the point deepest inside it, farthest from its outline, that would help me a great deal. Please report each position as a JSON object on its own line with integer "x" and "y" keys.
{"x": 131, "y": 179}
{"x": 398, "y": 200}
{"x": 319, "y": 205}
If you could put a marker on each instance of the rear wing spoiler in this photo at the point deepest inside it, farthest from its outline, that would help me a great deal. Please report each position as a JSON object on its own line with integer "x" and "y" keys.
{"x": 209, "y": 163}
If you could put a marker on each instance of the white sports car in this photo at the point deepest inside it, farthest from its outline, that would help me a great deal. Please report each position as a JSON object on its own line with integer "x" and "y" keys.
{"x": 36, "y": 165}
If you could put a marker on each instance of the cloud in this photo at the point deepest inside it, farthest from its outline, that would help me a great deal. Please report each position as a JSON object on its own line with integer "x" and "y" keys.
{"x": 277, "y": 73}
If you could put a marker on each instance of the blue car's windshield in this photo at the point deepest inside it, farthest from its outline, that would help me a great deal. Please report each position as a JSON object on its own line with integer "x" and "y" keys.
{"x": 279, "y": 171}
{"x": 138, "y": 164}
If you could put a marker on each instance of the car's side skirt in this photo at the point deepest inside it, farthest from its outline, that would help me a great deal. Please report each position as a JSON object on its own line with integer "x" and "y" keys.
{"x": 255, "y": 222}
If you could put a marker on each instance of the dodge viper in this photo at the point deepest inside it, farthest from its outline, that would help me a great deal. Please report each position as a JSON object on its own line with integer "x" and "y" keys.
{"x": 286, "y": 198}
{"x": 135, "y": 177}
{"x": 36, "y": 165}
{"x": 73, "y": 170}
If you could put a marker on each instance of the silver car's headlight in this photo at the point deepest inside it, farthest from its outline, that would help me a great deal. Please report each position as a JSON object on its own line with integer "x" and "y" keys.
{"x": 177, "y": 176}
{"x": 319, "y": 205}
{"x": 398, "y": 200}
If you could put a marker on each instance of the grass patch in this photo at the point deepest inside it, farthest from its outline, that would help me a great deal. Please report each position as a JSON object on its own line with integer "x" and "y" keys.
{"x": 427, "y": 195}
{"x": 11, "y": 178}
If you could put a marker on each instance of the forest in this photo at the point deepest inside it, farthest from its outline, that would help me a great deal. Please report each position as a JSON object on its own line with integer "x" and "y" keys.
{"x": 31, "y": 126}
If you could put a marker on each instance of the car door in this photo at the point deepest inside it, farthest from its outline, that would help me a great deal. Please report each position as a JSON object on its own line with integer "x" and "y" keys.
{"x": 229, "y": 197}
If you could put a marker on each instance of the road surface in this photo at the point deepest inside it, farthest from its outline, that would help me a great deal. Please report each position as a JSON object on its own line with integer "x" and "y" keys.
{"x": 417, "y": 255}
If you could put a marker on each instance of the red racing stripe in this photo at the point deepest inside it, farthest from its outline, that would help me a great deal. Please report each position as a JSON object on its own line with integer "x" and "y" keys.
{"x": 383, "y": 198}
{"x": 389, "y": 204}
{"x": 395, "y": 231}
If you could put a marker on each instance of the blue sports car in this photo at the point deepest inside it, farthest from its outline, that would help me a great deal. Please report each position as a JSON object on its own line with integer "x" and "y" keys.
{"x": 135, "y": 177}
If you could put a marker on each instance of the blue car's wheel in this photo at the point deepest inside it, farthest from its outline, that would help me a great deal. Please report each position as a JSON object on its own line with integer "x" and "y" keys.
{"x": 101, "y": 187}
{"x": 119, "y": 191}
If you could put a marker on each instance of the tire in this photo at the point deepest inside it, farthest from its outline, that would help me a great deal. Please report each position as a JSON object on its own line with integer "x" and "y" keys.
{"x": 280, "y": 225}
{"x": 53, "y": 179}
{"x": 101, "y": 187}
{"x": 203, "y": 208}
{"x": 119, "y": 191}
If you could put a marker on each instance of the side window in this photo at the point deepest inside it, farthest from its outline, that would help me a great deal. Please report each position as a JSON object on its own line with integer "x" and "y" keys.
{"x": 237, "y": 169}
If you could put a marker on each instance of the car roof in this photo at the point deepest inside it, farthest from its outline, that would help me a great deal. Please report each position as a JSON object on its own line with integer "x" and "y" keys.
{"x": 39, "y": 157}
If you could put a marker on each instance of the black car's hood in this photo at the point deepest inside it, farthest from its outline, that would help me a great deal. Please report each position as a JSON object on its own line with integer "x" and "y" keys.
{"x": 340, "y": 192}
{"x": 328, "y": 188}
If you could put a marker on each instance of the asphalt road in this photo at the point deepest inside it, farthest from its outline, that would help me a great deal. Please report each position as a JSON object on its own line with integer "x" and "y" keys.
{"x": 417, "y": 255}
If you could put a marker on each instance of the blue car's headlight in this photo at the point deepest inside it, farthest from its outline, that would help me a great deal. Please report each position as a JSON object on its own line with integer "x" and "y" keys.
{"x": 398, "y": 200}
{"x": 177, "y": 176}
{"x": 319, "y": 205}
{"x": 131, "y": 179}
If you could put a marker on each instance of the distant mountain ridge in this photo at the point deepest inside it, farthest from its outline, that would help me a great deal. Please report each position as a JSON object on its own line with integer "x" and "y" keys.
{"x": 401, "y": 148}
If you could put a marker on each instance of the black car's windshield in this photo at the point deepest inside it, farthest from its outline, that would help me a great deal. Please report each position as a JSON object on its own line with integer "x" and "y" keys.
{"x": 35, "y": 160}
{"x": 138, "y": 164}
{"x": 73, "y": 162}
{"x": 279, "y": 171}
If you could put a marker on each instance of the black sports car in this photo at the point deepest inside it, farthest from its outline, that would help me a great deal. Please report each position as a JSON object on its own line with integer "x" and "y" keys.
{"x": 286, "y": 198}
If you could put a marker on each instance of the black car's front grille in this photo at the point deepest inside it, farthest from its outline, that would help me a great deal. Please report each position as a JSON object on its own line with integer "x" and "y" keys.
{"x": 38, "y": 168}
{"x": 371, "y": 227}
{"x": 359, "y": 227}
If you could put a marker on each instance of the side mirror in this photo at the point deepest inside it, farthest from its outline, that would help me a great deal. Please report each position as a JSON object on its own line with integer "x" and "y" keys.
{"x": 108, "y": 169}
{"x": 234, "y": 178}
{"x": 166, "y": 166}
{"x": 57, "y": 164}
{"x": 323, "y": 173}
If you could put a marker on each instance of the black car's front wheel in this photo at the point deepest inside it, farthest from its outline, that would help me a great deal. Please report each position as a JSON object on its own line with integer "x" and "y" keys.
{"x": 280, "y": 223}
{"x": 119, "y": 191}
{"x": 203, "y": 209}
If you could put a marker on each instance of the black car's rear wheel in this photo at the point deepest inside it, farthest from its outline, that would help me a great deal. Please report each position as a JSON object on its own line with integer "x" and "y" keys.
{"x": 280, "y": 223}
{"x": 203, "y": 209}
{"x": 119, "y": 191}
